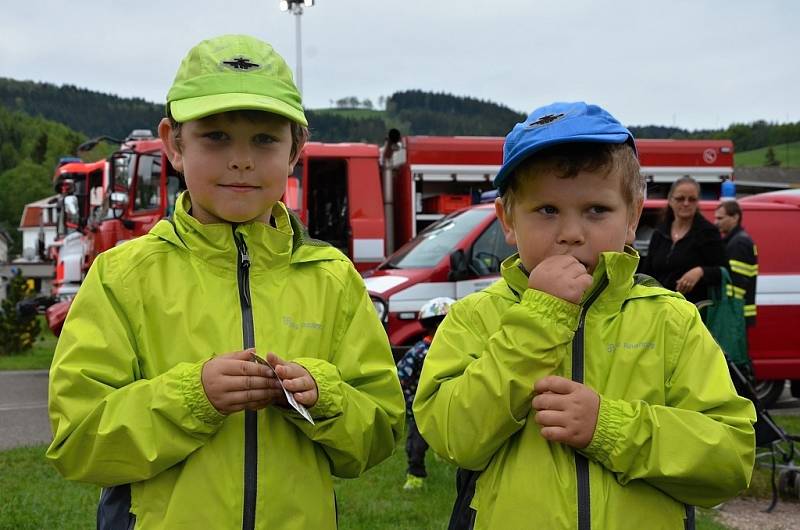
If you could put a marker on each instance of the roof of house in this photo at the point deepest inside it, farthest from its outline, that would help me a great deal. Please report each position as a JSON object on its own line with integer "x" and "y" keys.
{"x": 32, "y": 214}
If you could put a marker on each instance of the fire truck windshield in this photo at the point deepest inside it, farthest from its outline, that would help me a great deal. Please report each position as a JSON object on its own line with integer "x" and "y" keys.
{"x": 438, "y": 240}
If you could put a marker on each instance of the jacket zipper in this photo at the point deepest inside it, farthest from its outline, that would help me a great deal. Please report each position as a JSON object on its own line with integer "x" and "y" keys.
{"x": 250, "y": 418}
{"x": 581, "y": 462}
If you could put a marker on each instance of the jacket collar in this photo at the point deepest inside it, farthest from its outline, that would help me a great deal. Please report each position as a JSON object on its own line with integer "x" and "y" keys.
{"x": 617, "y": 267}
{"x": 729, "y": 235}
{"x": 269, "y": 247}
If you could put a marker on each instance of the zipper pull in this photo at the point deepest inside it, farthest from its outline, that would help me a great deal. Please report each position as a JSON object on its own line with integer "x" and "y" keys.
{"x": 244, "y": 257}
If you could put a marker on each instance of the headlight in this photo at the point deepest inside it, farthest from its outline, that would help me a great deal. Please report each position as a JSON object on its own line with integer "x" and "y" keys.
{"x": 381, "y": 309}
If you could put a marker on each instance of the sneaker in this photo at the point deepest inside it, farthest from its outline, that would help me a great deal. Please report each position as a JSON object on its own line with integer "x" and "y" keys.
{"x": 413, "y": 483}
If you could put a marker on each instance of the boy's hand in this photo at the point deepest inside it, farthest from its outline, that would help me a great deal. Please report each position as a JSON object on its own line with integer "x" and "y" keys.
{"x": 562, "y": 276}
{"x": 566, "y": 410}
{"x": 296, "y": 380}
{"x": 233, "y": 382}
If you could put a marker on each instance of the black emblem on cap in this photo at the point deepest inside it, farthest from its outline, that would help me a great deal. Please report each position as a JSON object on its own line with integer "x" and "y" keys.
{"x": 546, "y": 120}
{"x": 241, "y": 63}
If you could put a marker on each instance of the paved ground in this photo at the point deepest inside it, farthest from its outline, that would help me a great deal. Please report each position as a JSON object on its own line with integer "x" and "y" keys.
{"x": 748, "y": 514}
{"x": 23, "y": 409}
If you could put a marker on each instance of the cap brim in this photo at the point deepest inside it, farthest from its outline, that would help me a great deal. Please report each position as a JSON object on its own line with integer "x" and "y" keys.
{"x": 501, "y": 179}
{"x": 195, "y": 108}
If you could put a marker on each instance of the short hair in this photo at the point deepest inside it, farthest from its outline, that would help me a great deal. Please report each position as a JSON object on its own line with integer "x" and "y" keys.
{"x": 566, "y": 160}
{"x": 732, "y": 207}
{"x": 300, "y": 133}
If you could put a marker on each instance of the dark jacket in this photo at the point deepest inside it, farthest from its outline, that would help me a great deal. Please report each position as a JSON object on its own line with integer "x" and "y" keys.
{"x": 701, "y": 246}
{"x": 743, "y": 261}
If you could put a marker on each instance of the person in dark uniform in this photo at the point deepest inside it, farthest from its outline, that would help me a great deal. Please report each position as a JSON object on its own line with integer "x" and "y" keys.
{"x": 742, "y": 256}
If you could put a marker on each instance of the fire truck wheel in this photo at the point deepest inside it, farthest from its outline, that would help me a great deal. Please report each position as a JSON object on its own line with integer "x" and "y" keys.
{"x": 768, "y": 391}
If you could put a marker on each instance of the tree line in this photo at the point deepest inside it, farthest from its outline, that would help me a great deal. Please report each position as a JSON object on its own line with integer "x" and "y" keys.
{"x": 40, "y": 122}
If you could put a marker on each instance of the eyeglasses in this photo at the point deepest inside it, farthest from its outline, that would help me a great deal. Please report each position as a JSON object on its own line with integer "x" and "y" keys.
{"x": 690, "y": 200}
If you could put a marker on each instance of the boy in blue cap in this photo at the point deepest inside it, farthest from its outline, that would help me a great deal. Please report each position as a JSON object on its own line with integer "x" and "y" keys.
{"x": 573, "y": 394}
{"x": 156, "y": 391}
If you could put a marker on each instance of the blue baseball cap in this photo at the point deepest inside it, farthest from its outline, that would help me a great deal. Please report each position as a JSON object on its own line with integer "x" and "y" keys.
{"x": 554, "y": 124}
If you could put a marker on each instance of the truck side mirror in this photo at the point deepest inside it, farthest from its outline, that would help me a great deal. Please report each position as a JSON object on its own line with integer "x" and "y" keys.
{"x": 458, "y": 266}
{"x": 118, "y": 200}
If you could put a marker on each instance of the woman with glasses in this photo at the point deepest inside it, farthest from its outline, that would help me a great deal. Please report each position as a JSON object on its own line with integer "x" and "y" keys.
{"x": 685, "y": 251}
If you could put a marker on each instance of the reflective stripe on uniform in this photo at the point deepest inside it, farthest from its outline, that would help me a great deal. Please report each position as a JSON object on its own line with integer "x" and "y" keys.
{"x": 750, "y": 310}
{"x": 745, "y": 269}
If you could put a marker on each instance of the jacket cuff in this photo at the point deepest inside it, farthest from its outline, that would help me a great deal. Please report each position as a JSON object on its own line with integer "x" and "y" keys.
{"x": 606, "y": 433}
{"x": 194, "y": 395}
{"x": 328, "y": 379}
{"x": 552, "y": 308}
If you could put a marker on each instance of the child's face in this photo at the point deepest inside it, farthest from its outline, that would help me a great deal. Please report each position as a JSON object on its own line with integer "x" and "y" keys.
{"x": 581, "y": 216}
{"x": 235, "y": 169}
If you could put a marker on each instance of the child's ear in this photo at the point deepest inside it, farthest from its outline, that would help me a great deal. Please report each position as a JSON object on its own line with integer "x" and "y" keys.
{"x": 167, "y": 136}
{"x": 633, "y": 221}
{"x": 296, "y": 157}
{"x": 506, "y": 222}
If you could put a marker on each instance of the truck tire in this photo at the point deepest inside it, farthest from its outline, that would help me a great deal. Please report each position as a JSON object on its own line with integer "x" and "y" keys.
{"x": 769, "y": 390}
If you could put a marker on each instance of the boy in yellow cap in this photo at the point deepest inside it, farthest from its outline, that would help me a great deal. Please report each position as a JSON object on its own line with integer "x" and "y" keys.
{"x": 154, "y": 392}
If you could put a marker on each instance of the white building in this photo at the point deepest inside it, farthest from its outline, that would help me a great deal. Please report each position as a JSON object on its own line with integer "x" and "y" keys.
{"x": 38, "y": 222}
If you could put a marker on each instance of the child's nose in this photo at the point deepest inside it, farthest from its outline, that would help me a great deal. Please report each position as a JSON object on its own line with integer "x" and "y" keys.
{"x": 570, "y": 233}
{"x": 241, "y": 163}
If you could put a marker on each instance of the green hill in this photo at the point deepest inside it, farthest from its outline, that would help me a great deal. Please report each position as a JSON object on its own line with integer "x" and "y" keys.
{"x": 413, "y": 112}
{"x": 91, "y": 113}
{"x": 787, "y": 154}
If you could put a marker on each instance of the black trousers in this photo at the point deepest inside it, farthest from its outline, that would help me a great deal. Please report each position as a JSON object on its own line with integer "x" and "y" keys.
{"x": 416, "y": 446}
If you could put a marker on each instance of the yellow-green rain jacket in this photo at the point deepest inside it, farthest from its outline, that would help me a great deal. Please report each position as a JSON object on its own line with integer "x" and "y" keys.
{"x": 127, "y": 405}
{"x": 671, "y": 428}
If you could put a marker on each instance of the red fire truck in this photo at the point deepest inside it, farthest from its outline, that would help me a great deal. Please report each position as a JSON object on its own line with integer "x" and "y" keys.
{"x": 139, "y": 189}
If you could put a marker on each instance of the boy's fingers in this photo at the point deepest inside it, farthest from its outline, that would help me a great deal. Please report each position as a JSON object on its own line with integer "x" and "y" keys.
{"x": 554, "y": 383}
{"x": 274, "y": 360}
{"x": 307, "y": 398}
{"x": 549, "y": 401}
{"x": 556, "y": 434}
{"x": 300, "y": 384}
{"x": 245, "y": 397}
{"x": 243, "y": 367}
{"x": 550, "y": 418}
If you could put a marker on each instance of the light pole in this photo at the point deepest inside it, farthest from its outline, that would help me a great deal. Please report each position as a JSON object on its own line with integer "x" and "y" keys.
{"x": 296, "y": 7}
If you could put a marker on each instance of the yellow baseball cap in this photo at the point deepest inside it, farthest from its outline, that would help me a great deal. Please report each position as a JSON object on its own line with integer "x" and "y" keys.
{"x": 233, "y": 72}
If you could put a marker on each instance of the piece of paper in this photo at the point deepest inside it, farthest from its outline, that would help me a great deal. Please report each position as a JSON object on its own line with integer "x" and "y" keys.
{"x": 289, "y": 397}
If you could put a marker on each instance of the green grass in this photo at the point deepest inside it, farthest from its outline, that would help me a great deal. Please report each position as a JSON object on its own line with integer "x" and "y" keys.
{"x": 33, "y": 496}
{"x": 37, "y": 358}
{"x": 788, "y": 154}
{"x": 377, "y": 501}
{"x": 760, "y": 484}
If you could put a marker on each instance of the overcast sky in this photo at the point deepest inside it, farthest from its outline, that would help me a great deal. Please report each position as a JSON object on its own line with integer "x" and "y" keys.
{"x": 692, "y": 64}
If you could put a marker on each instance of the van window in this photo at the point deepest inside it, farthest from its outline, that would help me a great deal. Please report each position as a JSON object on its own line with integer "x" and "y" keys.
{"x": 437, "y": 241}
{"x": 489, "y": 251}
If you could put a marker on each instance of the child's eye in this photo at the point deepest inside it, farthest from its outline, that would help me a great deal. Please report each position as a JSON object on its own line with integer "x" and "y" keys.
{"x": 599, "y": 209}
{"x": 264, "y": 139}
{"x": 215, "y": 136}
{"x": 548, "y": 210}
